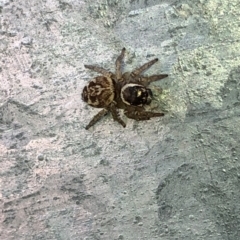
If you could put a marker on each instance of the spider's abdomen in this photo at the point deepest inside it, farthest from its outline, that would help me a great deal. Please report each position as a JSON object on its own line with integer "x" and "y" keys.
{"x": 99, "y": 92}
{"x": 136, "y": 95}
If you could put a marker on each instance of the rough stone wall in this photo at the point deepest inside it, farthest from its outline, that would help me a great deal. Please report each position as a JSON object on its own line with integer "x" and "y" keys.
{"x": 176, "y": 177}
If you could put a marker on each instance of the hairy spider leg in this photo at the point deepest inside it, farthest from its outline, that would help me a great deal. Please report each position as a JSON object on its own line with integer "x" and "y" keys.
{"x": 141, "y": 114}
{"x": 118, "y": 64}
{"x": 96, "y": 118}
{"x": 101, "y": 70}
{"x": 138, "y": 71}
{"x": 115, "y": 114}
{"x": 147, "y": 80}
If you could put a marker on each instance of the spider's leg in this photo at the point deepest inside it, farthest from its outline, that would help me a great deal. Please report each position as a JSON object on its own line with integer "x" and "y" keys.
{"x": 99, "y": 70}
{"x": 118, "y": 64}
{"x": 115, "y": 114}
{"x": 138, "y": 71}
{"x": 140, "y": 114}
{"x": 97, "y": 117}
{"x": 146, "y": 80}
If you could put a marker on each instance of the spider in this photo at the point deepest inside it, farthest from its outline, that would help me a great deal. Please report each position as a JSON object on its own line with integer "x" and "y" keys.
{"x": 127, "y": 91}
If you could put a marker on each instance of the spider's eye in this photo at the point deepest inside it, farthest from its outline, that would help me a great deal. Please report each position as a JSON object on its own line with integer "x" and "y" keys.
{"x": 150, "y": 96}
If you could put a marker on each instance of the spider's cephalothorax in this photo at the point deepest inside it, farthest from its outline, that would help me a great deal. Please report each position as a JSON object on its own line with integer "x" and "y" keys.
{"x": 135, "y": 94}
{"x": 126, "y": 91}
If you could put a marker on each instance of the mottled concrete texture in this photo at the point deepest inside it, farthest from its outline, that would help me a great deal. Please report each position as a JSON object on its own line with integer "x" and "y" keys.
{"x": 176, "y": 177}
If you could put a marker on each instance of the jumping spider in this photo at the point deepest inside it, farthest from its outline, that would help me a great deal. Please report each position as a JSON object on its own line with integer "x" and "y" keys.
{"x": 126, "y": 91}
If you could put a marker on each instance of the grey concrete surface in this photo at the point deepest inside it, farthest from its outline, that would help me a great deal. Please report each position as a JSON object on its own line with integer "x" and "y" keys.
{"x": 176, "y": 177}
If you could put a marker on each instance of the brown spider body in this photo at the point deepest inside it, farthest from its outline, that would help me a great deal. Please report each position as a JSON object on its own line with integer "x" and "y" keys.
{"x": 126, "y": 91}
{"x": 99, "y": 92}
